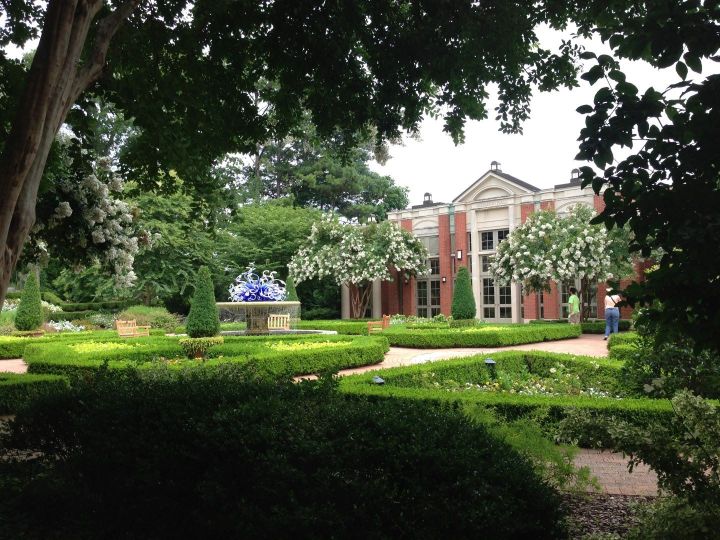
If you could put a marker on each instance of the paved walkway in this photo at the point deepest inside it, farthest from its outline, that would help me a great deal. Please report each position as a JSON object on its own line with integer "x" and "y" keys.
{"x": 610, "y": 468}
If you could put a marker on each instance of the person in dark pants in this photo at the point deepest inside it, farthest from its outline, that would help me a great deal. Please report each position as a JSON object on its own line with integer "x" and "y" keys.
{"x": 612, "y": 314}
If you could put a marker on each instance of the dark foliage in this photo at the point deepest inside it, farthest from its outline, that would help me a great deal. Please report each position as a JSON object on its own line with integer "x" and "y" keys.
{"x": 29, "y": 313}
{"x": 200, "y": 456}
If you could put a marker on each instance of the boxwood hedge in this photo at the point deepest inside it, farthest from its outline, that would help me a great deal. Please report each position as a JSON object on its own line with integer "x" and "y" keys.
{"x": 198, "y": 456}
{"x": 430, "y": 336}
{"x": 550, "y": 410}
{"x": 593, "y": 326}
{"x": 273, "y": 355}
{"x": 16, "y": 391}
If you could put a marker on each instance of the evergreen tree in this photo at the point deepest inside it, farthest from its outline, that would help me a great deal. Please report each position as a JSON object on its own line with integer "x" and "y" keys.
{"x": 29, "y": 314}
{"x": 463, "y": 303}
{"x": 204, "y": 317}
{"x": 290, "y": 288}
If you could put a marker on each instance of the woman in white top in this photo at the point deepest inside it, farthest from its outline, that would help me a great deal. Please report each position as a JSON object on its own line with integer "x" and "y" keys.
{"x": 612, "y": 314}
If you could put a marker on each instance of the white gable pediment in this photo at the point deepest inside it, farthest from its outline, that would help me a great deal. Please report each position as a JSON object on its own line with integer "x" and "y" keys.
{"x": 491, "y": 186}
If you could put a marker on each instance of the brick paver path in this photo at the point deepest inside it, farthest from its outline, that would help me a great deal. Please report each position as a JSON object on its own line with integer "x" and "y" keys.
{"x": 609, "y": 468}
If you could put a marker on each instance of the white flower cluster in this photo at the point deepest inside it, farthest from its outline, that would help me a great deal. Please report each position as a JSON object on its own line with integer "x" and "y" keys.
{"x": 355, "y": 254}
{"x": 106, "y": 229}
{"x": 548, "y": 247}
{"x": 65, "y": 326}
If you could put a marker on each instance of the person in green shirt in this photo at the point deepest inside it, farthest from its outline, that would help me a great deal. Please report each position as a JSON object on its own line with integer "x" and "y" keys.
{"x": 574, "y": 305}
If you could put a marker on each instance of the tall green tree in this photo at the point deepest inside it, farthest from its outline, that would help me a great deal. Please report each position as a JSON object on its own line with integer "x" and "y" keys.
{"x": 29, "y": 313}
{"x": 204, "y": 317}
{"x": 188, "y": 71}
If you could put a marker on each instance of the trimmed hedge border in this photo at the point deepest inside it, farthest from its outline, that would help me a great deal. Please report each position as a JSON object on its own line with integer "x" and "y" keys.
{"x": 512, "y": 406}
{"x": 14, "y": 346}
{"x": 144, "y": 353}
{"x": 432, "y": 337}
{"x": 17, "y": 390}
{"x": 588, "y": 327}
{"x": 622, "y": 346}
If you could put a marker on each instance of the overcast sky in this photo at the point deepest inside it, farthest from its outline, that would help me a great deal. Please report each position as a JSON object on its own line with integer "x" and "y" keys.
{"x": 543, "y": 155}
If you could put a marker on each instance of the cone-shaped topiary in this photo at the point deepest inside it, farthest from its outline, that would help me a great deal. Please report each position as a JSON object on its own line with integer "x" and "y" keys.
{"x": 290, "y": 288}
{"x": 29, "y": 313}
{"x": 204, "y": 317}
{"x": 463, "y": 303}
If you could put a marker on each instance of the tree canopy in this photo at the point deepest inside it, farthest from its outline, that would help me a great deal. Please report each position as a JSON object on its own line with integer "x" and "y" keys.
{"x": 188, "y": 73}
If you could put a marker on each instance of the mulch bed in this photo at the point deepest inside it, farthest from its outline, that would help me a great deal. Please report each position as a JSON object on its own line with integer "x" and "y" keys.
{"x": 600, "y": 513}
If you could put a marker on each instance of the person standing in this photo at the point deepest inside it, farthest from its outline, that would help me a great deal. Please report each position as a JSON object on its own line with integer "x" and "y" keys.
{"x": 574, "y": 307}
{"x": 612, "y": 314}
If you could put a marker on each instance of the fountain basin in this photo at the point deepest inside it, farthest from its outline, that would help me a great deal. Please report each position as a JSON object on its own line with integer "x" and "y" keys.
{"x": 255, "y": 314}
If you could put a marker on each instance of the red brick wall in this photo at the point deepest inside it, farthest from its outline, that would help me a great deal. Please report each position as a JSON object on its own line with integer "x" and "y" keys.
{"x": 547, "y": 205}
{"x": 525, "y": 210}
{"x": 445, "y": 264}
{"x": 551, "y": 302}
{"x": 601, "y": 293}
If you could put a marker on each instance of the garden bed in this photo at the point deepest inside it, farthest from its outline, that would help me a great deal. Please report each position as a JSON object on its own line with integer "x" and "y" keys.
{"x": 439, "y": 336}
{"x": 547, "y": 387}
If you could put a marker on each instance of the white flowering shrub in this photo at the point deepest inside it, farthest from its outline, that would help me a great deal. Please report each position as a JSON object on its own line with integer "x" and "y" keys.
{"x": 550, "y": 247}
{"x": 65, "y": 326}
{"x": 83, "y": 220}
{"x": 356, "y": 255}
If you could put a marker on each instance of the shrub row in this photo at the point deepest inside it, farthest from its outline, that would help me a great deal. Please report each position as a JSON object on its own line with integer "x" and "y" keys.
{"x": 550, "y": 411}
{"x": 622, "y": 346}
{"x": 593, "y": 326}
{"x": 70, "y": 315}
{"x": 430, "y": 337}
{"x": 289, "y": 357}
{"x": 114, "y": 305}
{"x": 16, "y": 391}
{"x": 349, "y": 327}
{"x": 285, "y": 460}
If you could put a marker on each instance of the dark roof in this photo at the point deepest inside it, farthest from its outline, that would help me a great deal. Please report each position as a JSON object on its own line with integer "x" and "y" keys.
{"x": 424, "y": 205}
{"x": 571, "y": 183}
{"x": 514, "y": 180}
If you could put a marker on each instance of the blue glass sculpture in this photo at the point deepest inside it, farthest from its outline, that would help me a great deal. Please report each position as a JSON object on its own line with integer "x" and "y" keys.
{"x": 251, "y": 287}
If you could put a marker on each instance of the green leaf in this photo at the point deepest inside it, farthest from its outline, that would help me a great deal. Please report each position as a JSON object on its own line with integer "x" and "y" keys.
{"x": 593, "y": 74}
{"x": 681, "y": 69}
{"x": 587, "y": 55}
{"x": 693, "y": 62}
{"x": 585, "y": 109}
{"x": 617, "y": 75}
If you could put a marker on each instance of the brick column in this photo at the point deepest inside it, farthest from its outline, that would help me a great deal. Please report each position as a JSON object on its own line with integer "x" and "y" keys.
{"x": 601, "y": 292}
{"x": 525, "y": 210}
{"x": 552, "y": 302}
{"x": 598, "y": 203}
{"x": 531, "y": 306}
{"x": 445, "y": 264}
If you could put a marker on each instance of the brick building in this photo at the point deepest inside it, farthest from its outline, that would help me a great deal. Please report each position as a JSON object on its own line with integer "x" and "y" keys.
{"x": 466, "y": 232}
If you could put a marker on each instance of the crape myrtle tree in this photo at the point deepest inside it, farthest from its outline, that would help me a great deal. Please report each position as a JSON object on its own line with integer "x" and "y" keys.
{"x": 356, "y": 255}
{"x": 187, "y": 72}
{"x": 560, "y": 248}
{"x": 667, "y": 189}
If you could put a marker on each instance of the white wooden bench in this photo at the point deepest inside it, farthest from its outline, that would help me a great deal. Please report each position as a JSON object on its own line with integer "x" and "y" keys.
{"x": 279, "y": 322}
{"x": 131, "y": 329}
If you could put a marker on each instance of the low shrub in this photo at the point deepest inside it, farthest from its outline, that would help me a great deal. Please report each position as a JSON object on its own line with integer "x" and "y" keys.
{"x": 199, "y": 347}
{"x": 51, "y": 297}
{"x": 112, "y": 305}
{"x": 16, "y": 391}
{"x": 592, "y": 326}
{"x": 341, "y": 326}
{"x": 429, "y": 337}
{"x": 200, "y": 456}
{"x": 462, "y": 323}
{"x": 321, "y": 313}
{"x": 155, "y": 317}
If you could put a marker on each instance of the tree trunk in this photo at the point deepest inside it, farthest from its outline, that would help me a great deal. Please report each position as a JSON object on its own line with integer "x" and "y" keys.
{"x": 56, "y": 79}
{"x": 584, "y": 299}
{"x": 359, "y": 299}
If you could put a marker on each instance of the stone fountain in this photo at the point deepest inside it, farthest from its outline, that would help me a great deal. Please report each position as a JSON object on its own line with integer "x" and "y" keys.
{"x": 254, "y": 297}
